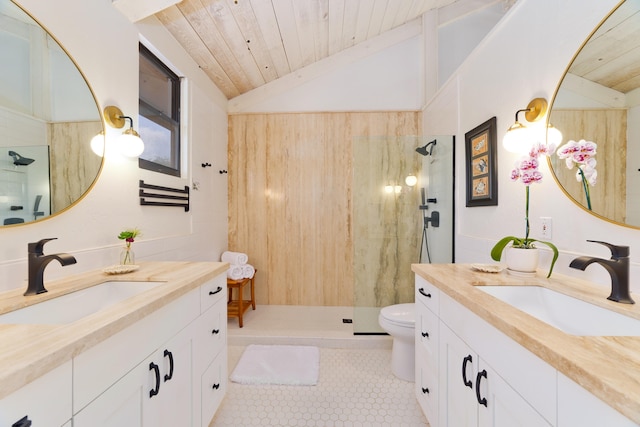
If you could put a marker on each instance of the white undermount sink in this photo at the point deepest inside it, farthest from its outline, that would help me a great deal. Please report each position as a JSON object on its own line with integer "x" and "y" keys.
{"x": 570, "y": 315}
{"x": 76, "y": 305}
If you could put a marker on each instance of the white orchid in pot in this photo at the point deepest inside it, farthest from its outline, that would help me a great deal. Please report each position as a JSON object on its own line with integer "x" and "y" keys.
{"x": 526, "y": 170}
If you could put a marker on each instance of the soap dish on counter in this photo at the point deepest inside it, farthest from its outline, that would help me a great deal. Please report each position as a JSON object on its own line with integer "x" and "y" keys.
{"x": 120, "y": 269}
{"x": 487, "y": 268}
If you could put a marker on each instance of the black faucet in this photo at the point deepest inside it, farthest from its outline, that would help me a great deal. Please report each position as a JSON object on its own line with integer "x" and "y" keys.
{"x": 618, "y": 268}
{"x": 37, "y": 261}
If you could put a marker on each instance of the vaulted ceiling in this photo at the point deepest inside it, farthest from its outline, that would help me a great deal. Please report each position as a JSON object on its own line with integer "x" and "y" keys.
{"x": 244, "y": 44}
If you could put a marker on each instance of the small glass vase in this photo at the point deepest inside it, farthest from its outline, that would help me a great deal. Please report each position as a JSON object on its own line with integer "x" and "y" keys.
{"x": 127, "y": 256}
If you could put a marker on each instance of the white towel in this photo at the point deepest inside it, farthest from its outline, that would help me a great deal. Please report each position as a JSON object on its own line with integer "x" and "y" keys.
{"x": 237, "y": 258}
{"x": 235, "y": 272}
{"x": 248, "y": 271}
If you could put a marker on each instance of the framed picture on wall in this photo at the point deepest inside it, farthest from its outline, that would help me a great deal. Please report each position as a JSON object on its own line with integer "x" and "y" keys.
{"x": 481, "y": 165}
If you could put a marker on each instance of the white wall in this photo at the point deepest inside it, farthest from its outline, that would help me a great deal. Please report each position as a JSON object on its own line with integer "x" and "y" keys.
{"x": 105, "y": 46}
{"x": 522, "y": 58}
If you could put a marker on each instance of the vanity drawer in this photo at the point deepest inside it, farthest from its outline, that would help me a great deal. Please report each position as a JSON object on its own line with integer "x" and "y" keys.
{"x": 210, "y": 335}
{"x": 427, "y": 294}
{"x": 427, "y": 327}
{"x": 427, "y": 384}
{"x": 213, "y": 388}
{"x": 213, "y": 291}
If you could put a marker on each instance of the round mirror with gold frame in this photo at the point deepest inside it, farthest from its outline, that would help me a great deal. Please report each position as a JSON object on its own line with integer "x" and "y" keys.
{"x": 598, "y": 100}
{"x": 48, "y": 116}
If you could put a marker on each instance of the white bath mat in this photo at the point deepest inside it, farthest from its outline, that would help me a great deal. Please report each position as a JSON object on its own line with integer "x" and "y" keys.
{"x": 278, "y": 364}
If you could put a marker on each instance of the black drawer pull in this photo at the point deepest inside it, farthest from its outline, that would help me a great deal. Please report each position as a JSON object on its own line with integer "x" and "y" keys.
{"x": 421, "y": 290}
{"x": 215, "y": 331}
{"x": 216, "y": 386}
{"x": 425, "y": 335}
{"x": 22, "y": 422}
{"x": 168, "y": 376}
{"x": 466, "y": 382}
{"x": 154, "y": 391}
{"x": 481, "y": 400}
{"x": 216, "y": 291}
{"x": 425, "y": 390}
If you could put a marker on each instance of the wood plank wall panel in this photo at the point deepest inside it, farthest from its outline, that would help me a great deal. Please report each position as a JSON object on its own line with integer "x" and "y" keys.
{"x": 290, "y": 199}
{"x": 607, "y": 128}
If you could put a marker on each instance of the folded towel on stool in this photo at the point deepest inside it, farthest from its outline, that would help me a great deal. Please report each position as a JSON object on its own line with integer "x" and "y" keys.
{"x": 235, "y": 272}
{"x": 248, "y": 271}
{"x": 237, "y": 258}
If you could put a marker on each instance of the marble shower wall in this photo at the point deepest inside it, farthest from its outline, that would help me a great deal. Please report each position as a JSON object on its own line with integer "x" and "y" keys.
{"x": 74, "y": 167}
{"x": 387, "y": 225}
{"x": 292, "y": 199}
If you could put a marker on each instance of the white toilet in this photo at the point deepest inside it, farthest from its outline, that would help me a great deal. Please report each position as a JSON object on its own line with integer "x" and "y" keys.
{"x": 399, "y": 321}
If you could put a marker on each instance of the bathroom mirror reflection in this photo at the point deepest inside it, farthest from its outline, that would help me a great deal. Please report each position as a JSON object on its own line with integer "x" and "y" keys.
{"x": 48, "y": 116}
{"x": 598, "y": 100}
{"x": 401, "y": 185}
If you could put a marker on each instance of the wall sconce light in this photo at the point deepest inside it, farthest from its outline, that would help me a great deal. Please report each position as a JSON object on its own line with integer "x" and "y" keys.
{"x": 519, "y": 138}
{"x": 129, "y": 143}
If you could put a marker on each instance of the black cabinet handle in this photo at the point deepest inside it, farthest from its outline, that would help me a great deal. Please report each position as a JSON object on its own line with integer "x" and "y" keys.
{"x": 425, "y": 390}
{"x": 215, "y": 331}
{"x": 425, "y": 335}
{"x": 168, "y": 376}
{"x": 22, "y": 422}
{"x": 216, "y": 386}
{"x": 421, "y": 290}
{"x": 154, "y": 391}
{"x": 464, "y": 371}
{"x": 216, "y": 291}
{"x": 481, "y": 400}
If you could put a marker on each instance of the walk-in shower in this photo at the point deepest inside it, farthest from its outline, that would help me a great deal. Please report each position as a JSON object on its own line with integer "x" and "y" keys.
{"x": 398, "y": 221}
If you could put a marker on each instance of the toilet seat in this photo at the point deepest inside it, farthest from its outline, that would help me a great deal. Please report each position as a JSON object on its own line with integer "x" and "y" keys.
{"x": 403, "y": 315}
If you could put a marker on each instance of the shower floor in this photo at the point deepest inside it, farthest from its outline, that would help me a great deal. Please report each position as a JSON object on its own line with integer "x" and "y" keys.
{"x": 302, "y": 325}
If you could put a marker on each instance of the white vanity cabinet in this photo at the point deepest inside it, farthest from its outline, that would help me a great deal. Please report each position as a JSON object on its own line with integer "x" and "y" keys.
{"x": 427, "y": 348}
{"x": 46, "y": 402}
{"x": 153, "y": 370}
{"x": 210, "y": 352}
{"x": 482, "y": 377}
{"x": 154, "y": 393}
{"x": 474, "y": 394}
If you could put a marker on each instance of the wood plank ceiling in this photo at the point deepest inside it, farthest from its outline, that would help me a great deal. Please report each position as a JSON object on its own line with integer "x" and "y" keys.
{"x": 611, "y": 57}
{"x": 244, "y": 44}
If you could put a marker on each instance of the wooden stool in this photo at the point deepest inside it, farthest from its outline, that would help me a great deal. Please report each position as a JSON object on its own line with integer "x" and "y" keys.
{"x": 237, "y": 307}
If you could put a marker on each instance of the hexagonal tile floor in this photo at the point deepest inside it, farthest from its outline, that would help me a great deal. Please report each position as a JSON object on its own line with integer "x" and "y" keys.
{"x": 356, "y": 388}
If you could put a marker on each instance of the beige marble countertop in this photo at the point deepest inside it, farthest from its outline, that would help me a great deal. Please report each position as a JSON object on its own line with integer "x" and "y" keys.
{"x": 609, "y": 367}
{"x": 30, "y": 351}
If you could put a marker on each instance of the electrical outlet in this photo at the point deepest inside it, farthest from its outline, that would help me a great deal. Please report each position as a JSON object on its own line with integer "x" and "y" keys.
{"x": 545, "y": 227}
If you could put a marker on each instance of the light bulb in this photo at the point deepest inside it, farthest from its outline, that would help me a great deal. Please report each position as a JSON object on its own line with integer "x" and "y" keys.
{"x": 516, "y": 139}
{"x": 411, "y": 180}
{"x": 130, "y": 144}
{"x": 97, "y": 144}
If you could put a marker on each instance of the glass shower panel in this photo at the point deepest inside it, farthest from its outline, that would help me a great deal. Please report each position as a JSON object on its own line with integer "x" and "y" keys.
{"x": 389, "y": 218}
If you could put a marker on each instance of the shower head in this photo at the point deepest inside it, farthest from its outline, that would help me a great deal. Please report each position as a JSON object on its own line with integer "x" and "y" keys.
{"x": 426, "y": 151}
{"x": 19, "y": 160}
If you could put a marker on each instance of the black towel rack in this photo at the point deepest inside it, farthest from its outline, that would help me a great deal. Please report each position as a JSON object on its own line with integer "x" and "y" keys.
{"x": 181, "y": 197}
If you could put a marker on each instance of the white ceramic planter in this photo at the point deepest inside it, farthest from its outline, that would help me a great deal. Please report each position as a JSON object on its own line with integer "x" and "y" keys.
{"x": 521, "y": 260}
